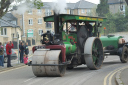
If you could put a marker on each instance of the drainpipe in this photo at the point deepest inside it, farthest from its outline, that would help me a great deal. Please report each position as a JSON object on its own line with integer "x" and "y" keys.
{"x": 23, "y": 28}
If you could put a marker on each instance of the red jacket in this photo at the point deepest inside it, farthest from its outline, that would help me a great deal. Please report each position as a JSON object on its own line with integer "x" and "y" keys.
{"x": 9, "y": 47}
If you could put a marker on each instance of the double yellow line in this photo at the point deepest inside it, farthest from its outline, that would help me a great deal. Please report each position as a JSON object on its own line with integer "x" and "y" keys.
{"x": 111, "y": 74}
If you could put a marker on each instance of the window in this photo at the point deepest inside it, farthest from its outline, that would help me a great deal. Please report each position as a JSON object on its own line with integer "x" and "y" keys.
{"x": 124, "y": 8}
{"x": 13, "y": 22}
{"x": 39, "y": 11}
{"x": 3, "y": 31}
{"x": 72, "y": 11}
{"x": 88, "y": 12}
{"x": 30, "y": 11}
{"x": 69, "y": 11}
{"x": 48, "y": 24}
{"x": 40, "y": 31}
{"x": 48, "y": 12}
{"x": 30, "y": 21}
{"x": 78, "y": 11}
{"x": 82, "y": 10}
{"x": 39, "y": 21}
{"x": 65, "y": 11}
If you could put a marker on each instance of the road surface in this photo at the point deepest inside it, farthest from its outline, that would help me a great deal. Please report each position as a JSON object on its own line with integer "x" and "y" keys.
{"x": 78, "y": 76}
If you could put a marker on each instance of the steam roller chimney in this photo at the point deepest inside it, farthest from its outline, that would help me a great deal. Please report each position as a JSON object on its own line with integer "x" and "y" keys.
{"x": 56, "y": 23}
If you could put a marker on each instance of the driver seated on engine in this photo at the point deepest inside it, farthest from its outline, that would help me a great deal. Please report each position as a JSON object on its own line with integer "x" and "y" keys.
{"x": 89, "y": 27}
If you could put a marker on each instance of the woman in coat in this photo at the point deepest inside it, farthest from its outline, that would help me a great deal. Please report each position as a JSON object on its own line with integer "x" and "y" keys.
{"x": 22, "y": 48}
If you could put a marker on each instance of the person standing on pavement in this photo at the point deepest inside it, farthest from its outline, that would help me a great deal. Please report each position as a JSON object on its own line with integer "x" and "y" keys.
{"x": 22, "y": 52}
{"x": 9, "y": 46}
{"x": 1, "y": 55}
{"x": 26, "y": 49}
{"x": 25, "y": 59}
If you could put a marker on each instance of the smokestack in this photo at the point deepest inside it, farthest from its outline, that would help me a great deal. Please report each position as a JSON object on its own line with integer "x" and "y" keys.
{"x": 56, "y": 23}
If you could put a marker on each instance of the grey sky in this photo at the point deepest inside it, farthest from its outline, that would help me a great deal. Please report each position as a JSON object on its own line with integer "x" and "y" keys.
{"x": 74, "y": 1}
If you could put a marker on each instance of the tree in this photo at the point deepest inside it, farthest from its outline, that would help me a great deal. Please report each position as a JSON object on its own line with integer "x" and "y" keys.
{"x": 93, "y": 12}
{"x": 5, "y": 4}
{"x": 102, "y": 8}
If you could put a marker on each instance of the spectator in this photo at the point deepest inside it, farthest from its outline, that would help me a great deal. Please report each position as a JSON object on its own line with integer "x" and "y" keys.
{"x": 26, "y": 49}
{"x": 25, "y": 59}
{"x": 90, "y": 28}
{"x": 1, "y": 55}
{"x": 9, "y": 46}
{"x": 22, "y": 52}
{"x": 19, "y": 49}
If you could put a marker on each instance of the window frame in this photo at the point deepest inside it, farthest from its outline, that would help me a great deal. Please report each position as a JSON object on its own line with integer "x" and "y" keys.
{"x": 32, "y": 21}
{"x": 3, "y": 33}
{"x": 39, "y": 11}
{"x": 48, "y": 12}
{"x": 30, "y": 11}
{"x": 47, "y": 25}
{"x": 39, "y": 31}
{"x": 82, "y": 11}
{"x": 39, "y": 20}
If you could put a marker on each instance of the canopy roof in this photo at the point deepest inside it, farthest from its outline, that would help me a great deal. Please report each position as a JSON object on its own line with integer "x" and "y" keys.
{"x": 69, "y": 17}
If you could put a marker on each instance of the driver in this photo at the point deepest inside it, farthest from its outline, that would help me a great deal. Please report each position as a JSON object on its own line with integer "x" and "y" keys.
{"x": 89, "y": 27}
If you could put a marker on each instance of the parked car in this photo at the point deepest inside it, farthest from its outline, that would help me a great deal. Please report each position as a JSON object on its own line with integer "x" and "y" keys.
{"x": 13, "y": 55}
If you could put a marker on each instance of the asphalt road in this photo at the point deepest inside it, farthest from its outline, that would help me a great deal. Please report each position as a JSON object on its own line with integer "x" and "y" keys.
{"x": 78, "y": 76}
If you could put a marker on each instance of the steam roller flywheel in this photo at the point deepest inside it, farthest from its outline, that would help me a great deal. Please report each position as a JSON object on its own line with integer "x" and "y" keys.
{"x": 93, "y": 51}
{"x": 47, "y": 57}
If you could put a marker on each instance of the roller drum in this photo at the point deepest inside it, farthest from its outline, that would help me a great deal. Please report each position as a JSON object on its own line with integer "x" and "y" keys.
{"x": 48, "y": 57}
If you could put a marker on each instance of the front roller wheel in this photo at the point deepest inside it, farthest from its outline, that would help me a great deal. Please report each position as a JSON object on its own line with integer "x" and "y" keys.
{"x": 93, "y": 51}
{"x": 124, "y": 55}
{"x": 48, "y": 57}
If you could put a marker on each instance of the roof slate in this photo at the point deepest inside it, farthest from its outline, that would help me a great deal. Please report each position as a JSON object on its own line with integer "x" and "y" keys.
{"x": 82, "y": 4}
{"x": 114, "y": 1}
{"x": 4, "y": 23}
{"x": 5, "y": 20}
{"x": 70, "y": 5}
{"x": 9, "y": 16}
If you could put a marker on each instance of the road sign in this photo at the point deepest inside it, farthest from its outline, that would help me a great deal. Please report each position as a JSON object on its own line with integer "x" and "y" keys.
{"x": 30, "y": 33}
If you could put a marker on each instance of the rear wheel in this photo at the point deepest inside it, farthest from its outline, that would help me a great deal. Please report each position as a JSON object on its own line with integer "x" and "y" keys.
{"x": 124, "y": 55}
{"x": 93, "y": 51}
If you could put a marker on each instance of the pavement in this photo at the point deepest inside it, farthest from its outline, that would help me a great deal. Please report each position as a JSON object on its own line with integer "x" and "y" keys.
{"x": 122, "y": 77}
{"x": 15, "y": 63}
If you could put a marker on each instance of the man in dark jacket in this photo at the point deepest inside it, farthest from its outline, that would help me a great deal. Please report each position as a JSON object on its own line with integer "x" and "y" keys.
{"x": 90, "y": 28}
{"x": 26, "y": 49}
{"x": 19, "y": 49}
{"x": 22, "y": 52}
{"x": 9, "y": 46}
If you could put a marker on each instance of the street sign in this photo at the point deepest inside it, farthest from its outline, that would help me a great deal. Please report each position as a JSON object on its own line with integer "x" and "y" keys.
{"x": 30, "y": 33}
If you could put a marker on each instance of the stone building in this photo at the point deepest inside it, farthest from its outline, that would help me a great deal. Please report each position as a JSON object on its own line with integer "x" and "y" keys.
{"x": 9, "y": 28}
{"x": 117, "y": 6}
{"x": 33, "y": 18}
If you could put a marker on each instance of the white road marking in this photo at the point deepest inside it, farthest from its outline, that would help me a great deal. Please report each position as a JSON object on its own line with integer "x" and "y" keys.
{"x": 29, "y": 79}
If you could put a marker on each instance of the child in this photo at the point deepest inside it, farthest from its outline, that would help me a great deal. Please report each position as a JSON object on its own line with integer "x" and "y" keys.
{"x": 25, "y": 59}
